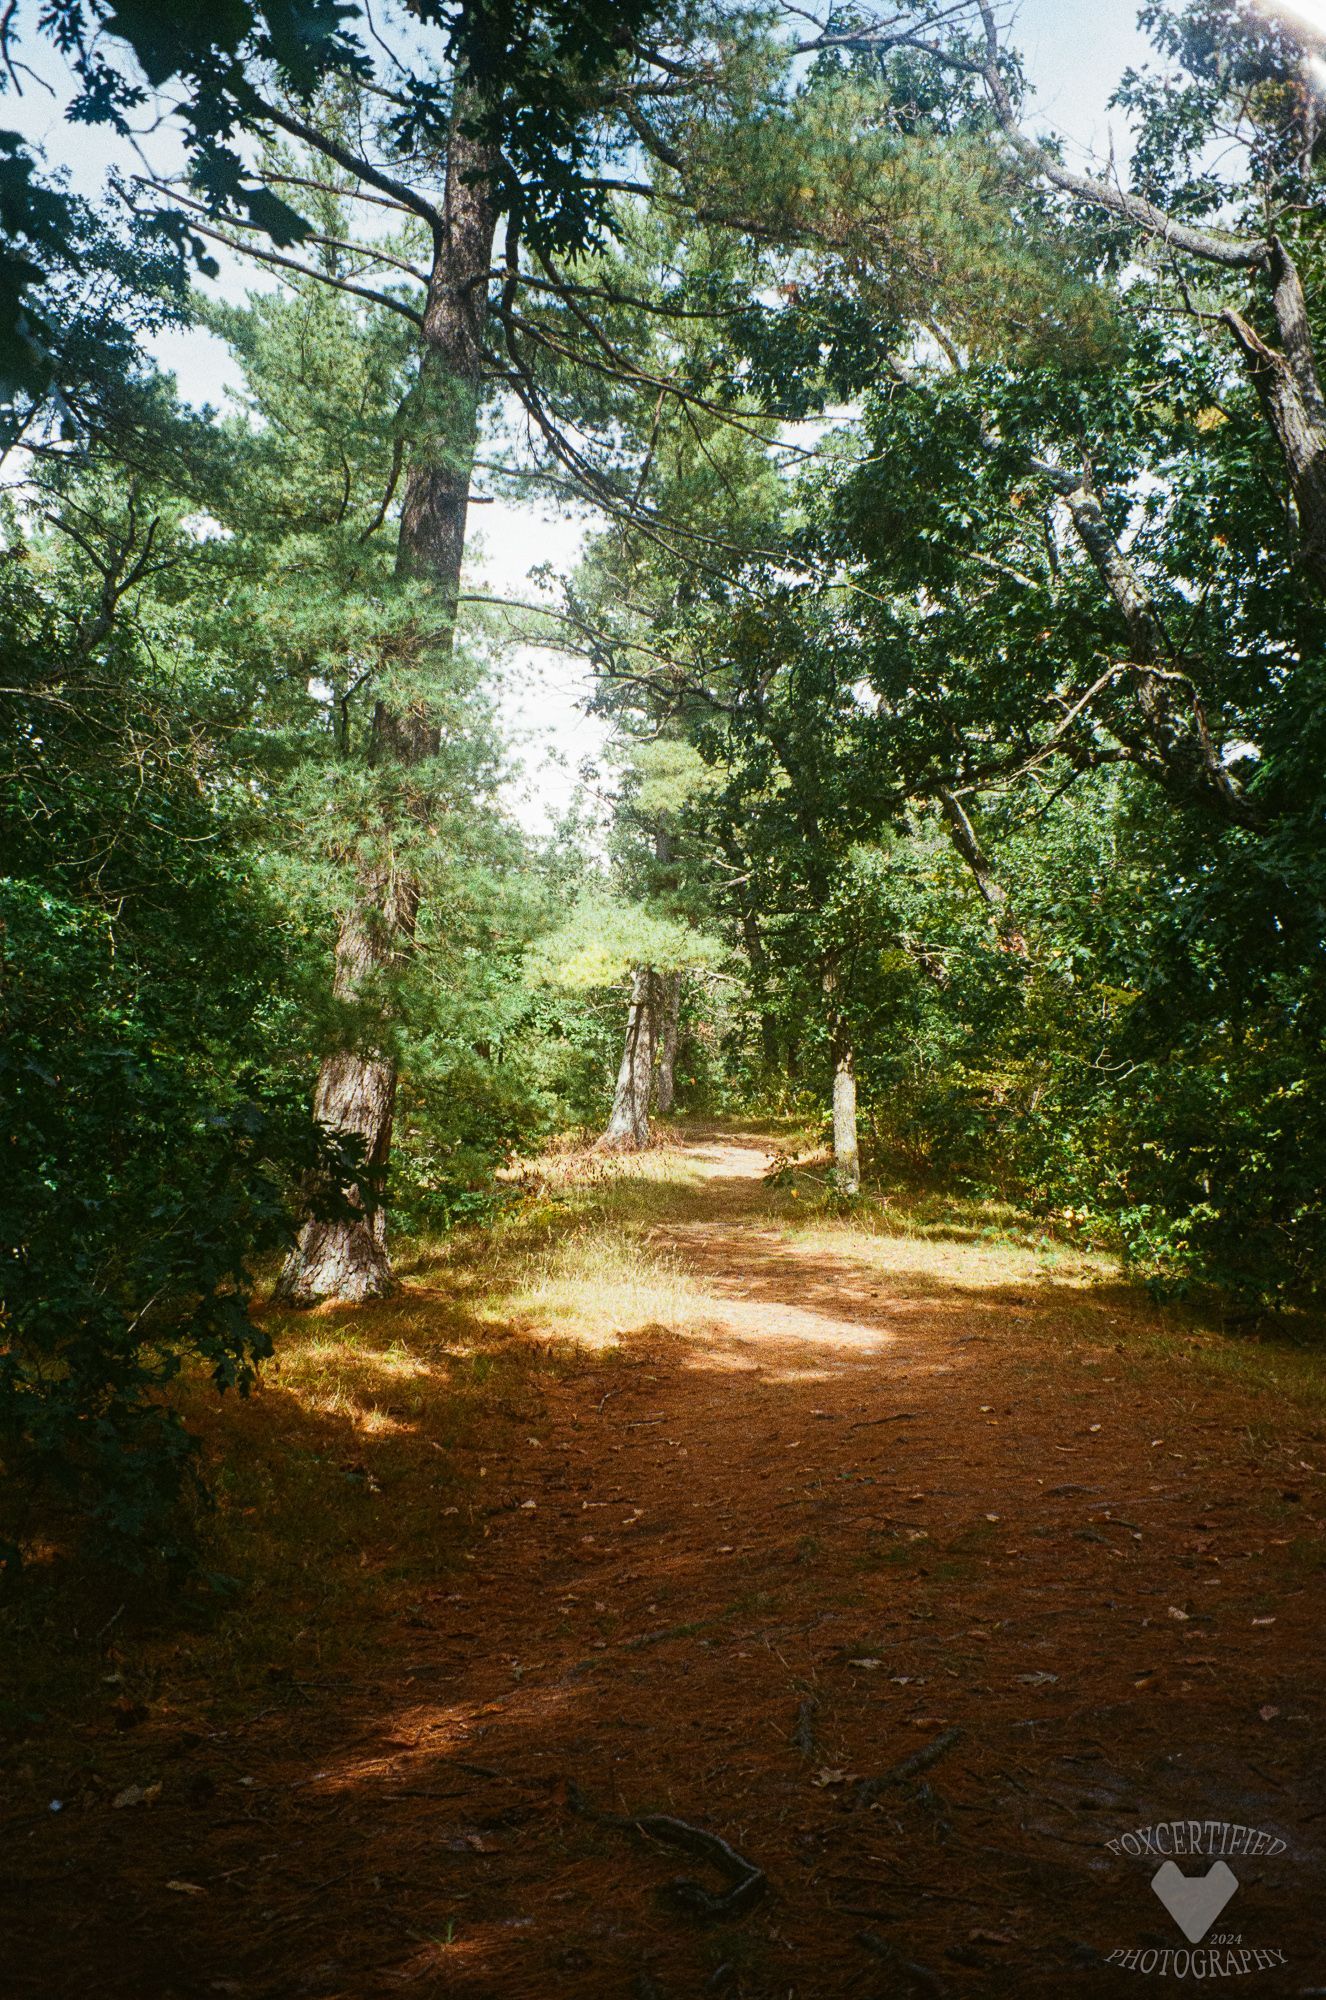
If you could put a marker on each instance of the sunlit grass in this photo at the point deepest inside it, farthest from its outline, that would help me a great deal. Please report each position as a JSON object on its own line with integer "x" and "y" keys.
{"x": 875, "y": 1246}
{"x": 594, "y": 1283}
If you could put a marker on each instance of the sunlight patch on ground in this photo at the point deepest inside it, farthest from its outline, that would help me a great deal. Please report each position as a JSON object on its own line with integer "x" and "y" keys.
{"x": 592, "y": 1285}
{"x": 317, "y": 1355}
{"x": 763, "y": 1322}
{"x": 342, "y": 1377}
{"x": 960, "y": 1260}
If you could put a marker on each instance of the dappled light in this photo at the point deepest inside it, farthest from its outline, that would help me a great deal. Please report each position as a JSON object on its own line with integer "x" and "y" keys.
{"x": 683, "y": 1501}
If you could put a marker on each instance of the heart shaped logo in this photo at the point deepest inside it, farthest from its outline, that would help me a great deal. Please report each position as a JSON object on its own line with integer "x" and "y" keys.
{"x": 1194, "y": 1901}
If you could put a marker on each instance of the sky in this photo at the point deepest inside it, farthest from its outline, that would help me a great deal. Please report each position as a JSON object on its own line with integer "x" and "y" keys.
{"x": 1075, "y": 51}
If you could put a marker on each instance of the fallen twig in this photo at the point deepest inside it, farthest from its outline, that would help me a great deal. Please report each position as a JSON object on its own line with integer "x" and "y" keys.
{"x": 749, "y": 1882}
{"x": 910, "y": 1767}
{"x": 803, "y": 1729}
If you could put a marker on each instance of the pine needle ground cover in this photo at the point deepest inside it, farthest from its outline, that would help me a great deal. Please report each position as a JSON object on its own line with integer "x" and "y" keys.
{"x": 681, "y": 1493}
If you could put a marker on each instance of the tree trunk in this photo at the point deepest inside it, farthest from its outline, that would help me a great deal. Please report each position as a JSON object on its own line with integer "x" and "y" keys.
{"x": 1175, "y": 735}
{"x": 846, "y": 1156}
{"x": 347, "y": 1258}
{"x": 990, "y": 889}
{"x": 1289, "y": 389}
{"x": 670, "y": 984}
{"x": 628, "y": 1127}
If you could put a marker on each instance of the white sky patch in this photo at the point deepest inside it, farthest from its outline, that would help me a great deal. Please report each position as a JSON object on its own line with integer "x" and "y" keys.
{"x": 543, "y": 690}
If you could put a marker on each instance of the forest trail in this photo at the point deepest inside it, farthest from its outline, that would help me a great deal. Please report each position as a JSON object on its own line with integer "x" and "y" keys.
{"x": 835, "y": 1491}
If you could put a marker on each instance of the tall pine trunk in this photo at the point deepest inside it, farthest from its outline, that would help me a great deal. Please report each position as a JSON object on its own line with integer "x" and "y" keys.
{"x": 666, "y": 1084}
{"x": 346, "y": 1258}
{"x": 628, "y": 1126}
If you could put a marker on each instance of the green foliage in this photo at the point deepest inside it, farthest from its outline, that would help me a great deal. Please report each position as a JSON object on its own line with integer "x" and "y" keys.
{"x": 152, "y": 1106}
{"x": 604, "y": 937}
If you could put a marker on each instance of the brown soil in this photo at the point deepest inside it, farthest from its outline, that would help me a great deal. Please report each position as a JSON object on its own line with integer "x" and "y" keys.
{"x": 861, "y": 1506}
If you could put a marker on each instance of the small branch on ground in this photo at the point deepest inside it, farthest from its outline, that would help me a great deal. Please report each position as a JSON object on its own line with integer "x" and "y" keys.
{"x": 910, "y": 1767}
{"x": 803, "y": 1729}
{"x": 749, "y": 1882}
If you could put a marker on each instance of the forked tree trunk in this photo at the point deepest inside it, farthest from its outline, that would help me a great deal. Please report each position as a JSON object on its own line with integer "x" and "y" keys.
{"x": 628, "y": 1127}
{"x": 346, "y": 1257}
{"x": 669, "y": 984}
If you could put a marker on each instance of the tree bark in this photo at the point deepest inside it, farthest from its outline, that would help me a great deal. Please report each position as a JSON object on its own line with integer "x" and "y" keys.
{"x": 846, "y": 1155}
{"x": 628, "y": 1127}
{"x": 1289, "y": 389}
{"x": 990, "y": 889}
{"x": 669, "y": 984}
{"x": 346, "y": 1258}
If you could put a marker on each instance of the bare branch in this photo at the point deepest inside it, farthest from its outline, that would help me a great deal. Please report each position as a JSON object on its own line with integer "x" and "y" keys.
{"x": 1231, "y": 251}
{"x": 364, "y": 170}
{"x": 275, "y": 257}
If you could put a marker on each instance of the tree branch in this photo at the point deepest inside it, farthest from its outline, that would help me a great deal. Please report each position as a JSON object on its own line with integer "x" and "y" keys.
{"x": 353, "y": 163}
{"x": 376, "y": 298}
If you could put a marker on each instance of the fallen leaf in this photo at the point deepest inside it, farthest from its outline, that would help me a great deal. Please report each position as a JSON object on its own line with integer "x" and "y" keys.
{"x": 1182, "y": 1616}
{"x": 136, "y": 1795}
{"x": 1269, "y": 1712}
{"x": 869, "y": 1665}
{"x": 1263, "y": 1621}
{"x": 828, "y": 1777}
{"x": 187, "y": 1888}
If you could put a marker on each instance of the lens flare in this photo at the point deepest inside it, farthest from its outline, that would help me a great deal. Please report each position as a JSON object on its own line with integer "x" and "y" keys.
{"x": 1309, "y": 14}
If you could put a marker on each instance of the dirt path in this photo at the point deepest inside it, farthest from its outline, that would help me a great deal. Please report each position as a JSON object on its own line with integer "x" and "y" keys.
{"x": 875, "y": 1492}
